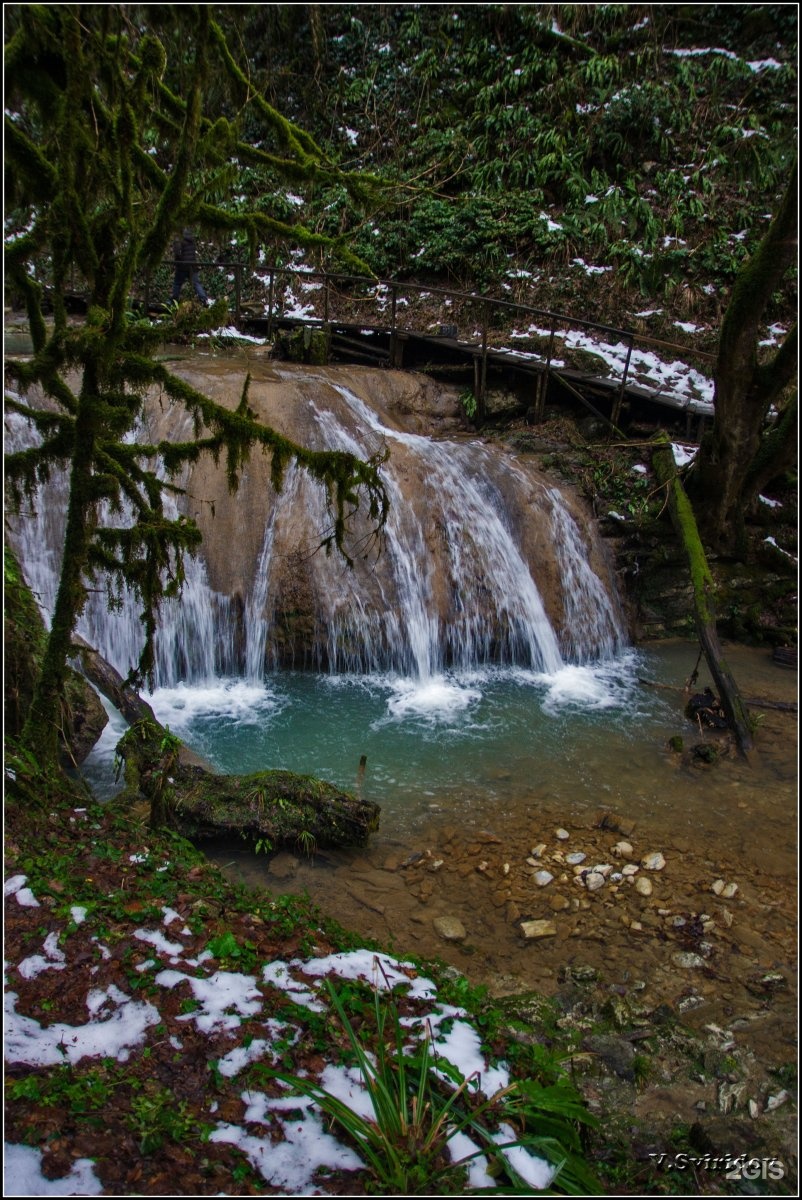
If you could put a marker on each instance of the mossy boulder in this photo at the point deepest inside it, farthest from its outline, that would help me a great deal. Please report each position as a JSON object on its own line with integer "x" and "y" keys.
{"x": 306, "y": 345}
{"x": 275, "y": 808}
{"x": 502, "y": 402}
{"x": 83, "y": 717}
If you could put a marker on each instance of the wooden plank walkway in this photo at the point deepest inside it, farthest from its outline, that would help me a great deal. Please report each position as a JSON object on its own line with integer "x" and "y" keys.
{"x": 374, "y": 321}
{"x": 402, "y": 347}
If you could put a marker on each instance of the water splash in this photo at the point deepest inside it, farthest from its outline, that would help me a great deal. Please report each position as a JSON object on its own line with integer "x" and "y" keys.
{"x": 469, "y": 537}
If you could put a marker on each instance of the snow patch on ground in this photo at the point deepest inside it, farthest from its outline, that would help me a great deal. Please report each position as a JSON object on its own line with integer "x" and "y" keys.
{"x": 22, "y": 1175}
{"x": 113, "y": 1036}
{"x": 15, "y": 886}
{"x": 683, "y": 454}
{"x": 296, "y": 1143}
{"x": 770, "y": 541}
{"x": 230, "y": 332}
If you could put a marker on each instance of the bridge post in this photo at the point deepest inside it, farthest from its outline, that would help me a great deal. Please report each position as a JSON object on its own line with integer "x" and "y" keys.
{"x": 539, "y": 404}
{"x": 270, "y": 305}
{"x": 396, "y": 346}
{"x": 477, "y": 383}
{"x": 325, "y": 300}
{"x": 619, "y": 400}
{"x": 542, "y": 382}
{"x": 237, "y": 294}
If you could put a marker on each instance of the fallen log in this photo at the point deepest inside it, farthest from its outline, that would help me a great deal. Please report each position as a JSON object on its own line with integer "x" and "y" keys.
{"x": 272, "y": 808}
{"x": 126, "y": 699}
{"x": 110, "y": 682}
{"x": 276, "y": 808}
{"x": 788, "y": 706}
{"x": 704, "y": 591}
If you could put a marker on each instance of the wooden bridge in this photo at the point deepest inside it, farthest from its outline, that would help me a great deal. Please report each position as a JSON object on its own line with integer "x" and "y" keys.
{"x": 485, "y": 340}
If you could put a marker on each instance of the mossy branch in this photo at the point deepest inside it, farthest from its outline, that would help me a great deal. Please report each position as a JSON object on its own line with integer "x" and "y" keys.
{"x": 30, "y": 164}
{"x": 256, "y": 223}
{"x": 288, "y": 134}
{"x": 170, "y": 200}
{"x": 96, "y": 97}
{"x": 43, "y": 369}
{"x": 704, "y": 592}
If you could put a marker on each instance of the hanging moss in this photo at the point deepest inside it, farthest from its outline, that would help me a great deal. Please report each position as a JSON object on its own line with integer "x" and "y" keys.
{"x": 91, "y": 86}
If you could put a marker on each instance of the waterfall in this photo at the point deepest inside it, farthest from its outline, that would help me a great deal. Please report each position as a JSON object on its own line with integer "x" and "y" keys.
{"x": 482, "y": 562}
{"x": 479, "y": 551}
{"x": 592, "y": 626}
{"x": 196, "y": 635}
{"x": 256, "y": 608}
{"x": 40, "y": 527}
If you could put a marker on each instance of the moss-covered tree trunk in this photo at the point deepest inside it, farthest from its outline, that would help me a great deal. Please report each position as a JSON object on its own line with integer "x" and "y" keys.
{"x": 105, "y": 161}
{"x": 273, "y": 808}
{"x": 81, "y": 716}
{"x": 704, "y": 590}
{"x": 40, "y": 731}
{"x": 778, "y": 451}
{"x": 745, "y": 390}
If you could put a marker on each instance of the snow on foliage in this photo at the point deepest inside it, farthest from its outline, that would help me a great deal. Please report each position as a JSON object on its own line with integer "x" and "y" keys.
{"x": 295, "y": 1143}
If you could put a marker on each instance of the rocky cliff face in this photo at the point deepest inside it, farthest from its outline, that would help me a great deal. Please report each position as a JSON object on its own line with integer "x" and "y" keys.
{"x": 476, "y": 542}
{"x": 483, "y": 558}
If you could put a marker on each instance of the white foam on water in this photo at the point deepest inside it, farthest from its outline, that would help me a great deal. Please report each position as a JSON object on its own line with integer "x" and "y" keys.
{"x": 448, "y": 700}
{"x": 237, "y": 700}
{"x": 593, "y": 687}
{"x": 436, "y": 700}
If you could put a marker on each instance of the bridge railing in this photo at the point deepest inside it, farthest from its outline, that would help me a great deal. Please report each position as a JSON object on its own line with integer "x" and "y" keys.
{"x": 340, "y": 299}
{"x": 400, "y": 307}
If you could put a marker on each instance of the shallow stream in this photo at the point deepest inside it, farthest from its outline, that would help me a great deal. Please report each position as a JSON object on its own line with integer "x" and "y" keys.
{"x": 474, "y": 770}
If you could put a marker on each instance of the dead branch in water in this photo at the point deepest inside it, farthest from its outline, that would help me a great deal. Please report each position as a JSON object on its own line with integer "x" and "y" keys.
{"x": 753, "y": 702}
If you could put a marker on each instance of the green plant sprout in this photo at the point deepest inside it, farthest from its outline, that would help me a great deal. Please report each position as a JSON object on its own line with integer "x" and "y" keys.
{"x": 406, "y": 1143}
{"x": 469, "y": 404}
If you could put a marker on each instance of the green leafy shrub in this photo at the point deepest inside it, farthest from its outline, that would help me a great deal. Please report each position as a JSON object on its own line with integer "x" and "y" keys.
{"x": 417, "y": 1114}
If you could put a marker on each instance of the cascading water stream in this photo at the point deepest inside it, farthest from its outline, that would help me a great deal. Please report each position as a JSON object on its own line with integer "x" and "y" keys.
{"x": 454, "y": 587}
{"x": 196, "y": 633}
{"x": 256, "y": 607}
{"x": 496, "y": 611}
{"x": 590, "y": 616}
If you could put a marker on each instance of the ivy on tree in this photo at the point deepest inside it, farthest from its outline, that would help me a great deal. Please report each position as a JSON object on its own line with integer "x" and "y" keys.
{"x": 104, "y": 161}
{"x": 740, "y": 455}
